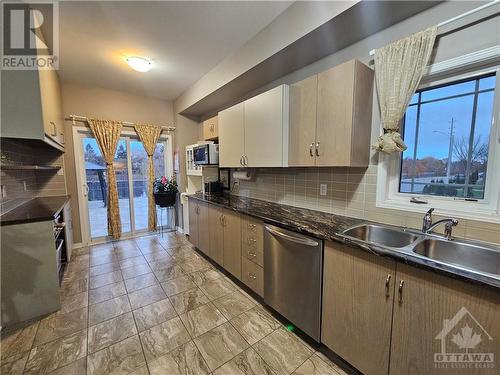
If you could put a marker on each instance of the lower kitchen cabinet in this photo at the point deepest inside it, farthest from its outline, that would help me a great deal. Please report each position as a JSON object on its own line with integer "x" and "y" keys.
{"x": 216, "y": 232}
{"x": 435, "y": 314}
{"x": 203, "y": 230}
{"x": 358, "y": 290}
{"x": 193, "y": 222}
{"x": 216, "y": 228}
{"x": 198, "y": 225}
{"x": 232, "y": 242}
{"x": 375, "y": 309}
{"x": 252, "y": 276}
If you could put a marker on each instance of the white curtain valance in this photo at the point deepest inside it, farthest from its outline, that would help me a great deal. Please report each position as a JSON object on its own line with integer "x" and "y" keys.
{"x": 399, "y": 67}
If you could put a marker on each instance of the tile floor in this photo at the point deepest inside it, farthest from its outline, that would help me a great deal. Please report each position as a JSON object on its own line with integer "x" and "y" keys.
{"x": 153, "y": 305}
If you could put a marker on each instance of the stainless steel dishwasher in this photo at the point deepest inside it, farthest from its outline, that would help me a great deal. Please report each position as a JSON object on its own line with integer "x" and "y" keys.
{"x": 293, "y": 268}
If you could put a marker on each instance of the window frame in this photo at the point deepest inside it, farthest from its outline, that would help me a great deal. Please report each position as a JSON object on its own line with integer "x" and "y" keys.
{"x": 487, "y": 209}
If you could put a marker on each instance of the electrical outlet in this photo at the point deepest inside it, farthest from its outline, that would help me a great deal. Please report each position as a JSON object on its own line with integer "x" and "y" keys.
{"x": 322, "y": 189}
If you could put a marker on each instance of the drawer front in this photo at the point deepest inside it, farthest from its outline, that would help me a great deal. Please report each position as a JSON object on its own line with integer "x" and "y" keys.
{"x": 252, "y": 240}
{"x": 252, "y": 276}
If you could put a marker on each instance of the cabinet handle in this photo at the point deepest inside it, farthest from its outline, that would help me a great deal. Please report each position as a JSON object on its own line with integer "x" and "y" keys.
{"x": 223, "y": 220}
{"x": 245, "y": 160}
{"x": 211, "y": 128}
{"x": 387, "y": 284}
{"x": 311, "y": 149}
{"x": 197, "y": 210}
{"x": 54, "y": 129}
{"x": 251, "y": 276}
{"x": 241, "y": 160}
{"x": 317, "y": 148}
{"x": 400, "y": 291}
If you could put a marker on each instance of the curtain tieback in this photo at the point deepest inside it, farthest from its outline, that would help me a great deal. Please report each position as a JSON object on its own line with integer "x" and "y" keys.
{"x": 390, "y": 142}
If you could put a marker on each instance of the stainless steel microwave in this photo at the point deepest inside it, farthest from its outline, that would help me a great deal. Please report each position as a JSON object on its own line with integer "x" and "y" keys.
{"x": 207, "y": 154}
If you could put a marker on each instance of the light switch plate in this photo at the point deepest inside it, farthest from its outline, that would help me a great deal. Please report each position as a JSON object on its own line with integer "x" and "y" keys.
{"x": 322, "y": 189}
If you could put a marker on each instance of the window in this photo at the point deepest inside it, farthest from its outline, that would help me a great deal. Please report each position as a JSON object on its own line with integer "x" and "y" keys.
{"x": 453, "y": 155}
{"x": 447, "y": 131}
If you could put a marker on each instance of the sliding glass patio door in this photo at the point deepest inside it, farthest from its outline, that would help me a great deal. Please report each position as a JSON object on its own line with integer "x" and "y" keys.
{"x": 132, "y": 181}
{"x": 140, "y": 181}
{"x": 96, "y": 186}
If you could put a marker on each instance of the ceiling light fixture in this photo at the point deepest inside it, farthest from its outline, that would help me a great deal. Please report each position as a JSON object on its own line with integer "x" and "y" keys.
{"x": 140, "y": 64}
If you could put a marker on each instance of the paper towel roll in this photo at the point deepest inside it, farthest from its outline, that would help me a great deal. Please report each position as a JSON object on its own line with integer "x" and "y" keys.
{"x": 241, "y": 175}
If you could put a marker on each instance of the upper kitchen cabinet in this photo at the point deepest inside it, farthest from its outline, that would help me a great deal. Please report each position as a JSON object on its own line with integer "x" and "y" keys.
{"x": 266, "y": 129}
{"x": 303, "y": 108}
{"x": 31, "y": 106}
{"x": 232, "y": 136}
{"x": 330, "y": 117}
{"x": 211, "y": 129}
{"x": 255, "y": 133}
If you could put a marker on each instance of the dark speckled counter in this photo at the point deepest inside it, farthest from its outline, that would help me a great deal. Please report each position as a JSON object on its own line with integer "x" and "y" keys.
{"x": 34, "y": 210}
{"x": 329, "y": 227}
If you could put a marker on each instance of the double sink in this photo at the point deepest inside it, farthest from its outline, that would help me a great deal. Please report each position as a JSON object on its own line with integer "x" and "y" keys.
{"x": 465, "y": 255}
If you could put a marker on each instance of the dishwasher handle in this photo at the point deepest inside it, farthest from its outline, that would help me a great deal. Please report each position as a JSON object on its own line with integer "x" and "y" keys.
{"x": 297, "y": 239}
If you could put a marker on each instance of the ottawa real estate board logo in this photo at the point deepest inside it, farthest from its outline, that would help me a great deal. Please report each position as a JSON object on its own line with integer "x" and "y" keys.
{"x": 464, "y": 344}
{"x": 30, "y": 35}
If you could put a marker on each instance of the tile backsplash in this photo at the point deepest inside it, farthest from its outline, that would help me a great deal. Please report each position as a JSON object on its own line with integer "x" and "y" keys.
{"x": 20, "y": 185}
{"x": 349, "y": 192}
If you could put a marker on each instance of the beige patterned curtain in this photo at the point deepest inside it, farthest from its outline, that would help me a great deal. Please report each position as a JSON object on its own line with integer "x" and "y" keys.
{"x": 107, "y": 134}
{"x": 398, "y": 69}
{"x": 149, "y": 135}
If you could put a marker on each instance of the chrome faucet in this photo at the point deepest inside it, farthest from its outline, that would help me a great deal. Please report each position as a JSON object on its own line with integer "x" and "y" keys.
{"x": 428, "y": 226}
{"x": 427, "y": 221}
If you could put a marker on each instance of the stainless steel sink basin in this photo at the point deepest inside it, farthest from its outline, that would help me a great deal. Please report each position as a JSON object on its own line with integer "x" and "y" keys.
{"x": 461, "y": 254}
{"x": 381, "y": 235}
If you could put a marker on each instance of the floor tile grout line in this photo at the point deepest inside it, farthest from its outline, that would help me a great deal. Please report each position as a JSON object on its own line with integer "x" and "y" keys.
{"x": 138, "y": 335}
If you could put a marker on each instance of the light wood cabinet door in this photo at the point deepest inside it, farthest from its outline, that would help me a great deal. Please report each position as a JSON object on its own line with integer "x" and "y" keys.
{"x": 232, "y": 243}
{"x": 302, "y": 128}
{"x": 193, "y": 222}
{"x": 211, "y": 128}
{"x": 266, "y": 128}
{"x": 436, "y": 314}
{"x": 358, "y": 291}
{"x": 344, "y": 115}
{"x": 231, "y": 136}
{"x": 203, "y": 228}
{"x": 50, "y": 95}
{"x": 216, "y": 234}
{"x": 335, "y": 100}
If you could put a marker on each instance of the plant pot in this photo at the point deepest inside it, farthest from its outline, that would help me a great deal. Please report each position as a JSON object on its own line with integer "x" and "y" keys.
{"x": 165, "y": 199}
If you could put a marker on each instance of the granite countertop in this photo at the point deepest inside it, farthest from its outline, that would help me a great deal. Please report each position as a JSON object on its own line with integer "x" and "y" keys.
{"x": 329, "y": 227}
{"x": 36, "y": 209}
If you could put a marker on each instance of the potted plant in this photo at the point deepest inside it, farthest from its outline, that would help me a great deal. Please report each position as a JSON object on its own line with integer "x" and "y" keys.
{"x": 165, "y": 191}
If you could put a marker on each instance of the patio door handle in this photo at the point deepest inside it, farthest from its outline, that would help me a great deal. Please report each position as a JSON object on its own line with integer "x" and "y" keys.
{"x": 85, "y": 190}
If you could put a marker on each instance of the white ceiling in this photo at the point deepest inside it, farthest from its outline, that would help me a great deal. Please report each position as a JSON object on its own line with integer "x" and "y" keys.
{"x": 185, "y": 40}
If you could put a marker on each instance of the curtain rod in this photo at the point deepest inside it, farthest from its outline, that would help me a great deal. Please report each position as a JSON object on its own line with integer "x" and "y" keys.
{"x": 125, "y": 123}
{"x": 460, "y": 16}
